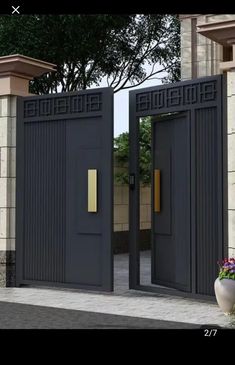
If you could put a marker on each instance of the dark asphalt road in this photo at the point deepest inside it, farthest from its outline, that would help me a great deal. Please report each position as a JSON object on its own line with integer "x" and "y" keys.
{"x": 23, "y": 316}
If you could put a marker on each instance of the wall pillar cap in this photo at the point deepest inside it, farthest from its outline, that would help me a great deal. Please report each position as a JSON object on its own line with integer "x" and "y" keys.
{"x": 16, "y": 71}
{"x": 221, "y": 32}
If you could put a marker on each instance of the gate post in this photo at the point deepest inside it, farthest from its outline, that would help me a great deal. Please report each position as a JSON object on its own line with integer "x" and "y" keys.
{"x": 15, "y": 73}
{"x": 231, "y": 160}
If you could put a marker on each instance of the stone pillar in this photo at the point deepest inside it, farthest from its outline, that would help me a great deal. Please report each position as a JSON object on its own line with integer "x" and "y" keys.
{"x": 231, "y": 160}
{"x": 200, "y": 56}
{"x": 186, "y": 48}
{"x": 7, "y": 188}
{"x": 209, "y": 53}
{"x": 15, "y": 73}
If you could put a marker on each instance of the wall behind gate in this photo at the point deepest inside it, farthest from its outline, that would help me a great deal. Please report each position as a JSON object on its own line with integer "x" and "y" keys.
{"x": 121, "y": 215}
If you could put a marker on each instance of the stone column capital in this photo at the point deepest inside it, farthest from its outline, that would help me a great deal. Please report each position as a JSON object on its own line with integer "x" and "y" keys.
{"x": 17, "y": 70}
{"x": 221, "y": 32}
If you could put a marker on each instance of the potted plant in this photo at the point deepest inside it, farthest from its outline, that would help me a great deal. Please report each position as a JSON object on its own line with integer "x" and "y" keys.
{"x": 225, "y": 286}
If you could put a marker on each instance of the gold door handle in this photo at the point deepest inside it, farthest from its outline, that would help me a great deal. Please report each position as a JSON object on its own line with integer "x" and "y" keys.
{"x": 92, "y": 191}
{"x": 157, "y": 190}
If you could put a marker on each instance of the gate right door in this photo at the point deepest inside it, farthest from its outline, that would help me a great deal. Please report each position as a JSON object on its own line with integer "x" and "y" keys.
{"x": 189, "y": 187}
{"x": 171, "y": 202}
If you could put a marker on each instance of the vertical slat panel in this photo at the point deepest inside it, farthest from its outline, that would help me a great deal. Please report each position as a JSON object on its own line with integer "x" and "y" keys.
{"x": 47, "y": 209}
{"x": 44, "y": 199}
{"x": 207, "y": 191}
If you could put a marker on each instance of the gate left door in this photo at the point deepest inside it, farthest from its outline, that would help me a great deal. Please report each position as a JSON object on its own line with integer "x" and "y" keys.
{"x": 64, "y": 192}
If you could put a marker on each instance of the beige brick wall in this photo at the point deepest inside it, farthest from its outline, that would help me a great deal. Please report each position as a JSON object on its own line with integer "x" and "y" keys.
{"x": 7, "y": 171}
{"x": 121, "y": 207}
{"x": 121, "y": 204}
{"x": 186, "y": 70}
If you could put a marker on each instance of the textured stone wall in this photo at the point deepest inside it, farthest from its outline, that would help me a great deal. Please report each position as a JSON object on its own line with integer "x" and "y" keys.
{"x": 199, "y": 55}
{"x": 121, "y": 207}
{"x": 7, "y": 188}
{"x": 7, "y": 268}
{"x": 209, "y": 54}
{"x": 121, "y": 215}
{"x": 186, "y": 49}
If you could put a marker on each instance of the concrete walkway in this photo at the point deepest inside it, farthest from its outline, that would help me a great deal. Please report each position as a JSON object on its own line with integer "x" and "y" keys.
{"x": 123, "y": 302}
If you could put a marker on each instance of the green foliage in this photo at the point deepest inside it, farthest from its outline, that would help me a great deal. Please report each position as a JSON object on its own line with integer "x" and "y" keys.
{"x": 121, "y": 158}
{"x": 87, "y": 48}
{"x": 224, "y": 275}
{"x": 121, "y": 153}
{"x": 145, "y": 151}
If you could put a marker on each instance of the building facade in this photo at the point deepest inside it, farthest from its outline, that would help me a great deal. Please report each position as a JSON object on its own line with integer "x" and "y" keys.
{"x": 208, "y": 48}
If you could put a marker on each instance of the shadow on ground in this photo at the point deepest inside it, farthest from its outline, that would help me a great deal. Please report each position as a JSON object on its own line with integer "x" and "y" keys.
{"x": 24, "y": 316}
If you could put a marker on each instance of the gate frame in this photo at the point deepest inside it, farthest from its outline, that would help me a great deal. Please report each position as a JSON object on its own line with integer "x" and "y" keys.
{"x": 107, "y": 225}
{"x": 134, "y": 196}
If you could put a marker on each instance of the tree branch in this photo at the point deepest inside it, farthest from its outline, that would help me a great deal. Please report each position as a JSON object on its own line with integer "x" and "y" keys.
{"x": 142, "y": 81}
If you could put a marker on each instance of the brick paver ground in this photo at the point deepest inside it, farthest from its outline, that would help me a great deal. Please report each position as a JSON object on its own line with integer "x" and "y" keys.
{"x": 24, "y": 316}
{"x": 174, "y": 311}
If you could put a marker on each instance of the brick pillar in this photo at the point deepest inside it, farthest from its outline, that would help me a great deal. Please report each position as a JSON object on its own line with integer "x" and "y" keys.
{"x": 7, "y": 188}
{"x": 15, "y": 73}
{"x": 231, "y": 161}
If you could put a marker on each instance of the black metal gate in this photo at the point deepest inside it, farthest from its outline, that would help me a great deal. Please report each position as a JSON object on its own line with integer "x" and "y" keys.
{"x": 65, "y": 190}
{"x": 189, "y": 188}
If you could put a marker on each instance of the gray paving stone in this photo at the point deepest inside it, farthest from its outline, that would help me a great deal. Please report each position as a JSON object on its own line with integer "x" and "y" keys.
{"x": 23, "y": 316}
{"x": 122, "y": 302}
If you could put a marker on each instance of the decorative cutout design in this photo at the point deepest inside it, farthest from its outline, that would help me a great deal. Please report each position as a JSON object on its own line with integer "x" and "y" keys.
{"x": 76, "y": 103}
{"x": 176, "y": 96}
{"x": 71, "y": 104}
{"x": 143, "y": 101}
{"x": 207, "y": 91}
{"x": 45, "y": 107}
{"x": 190, "y": 94}
{"x": 93, "y": 102}
{"x": 30, "y": 108}
{"x": 61, "y": 105}
{"x": 158, "y": 99}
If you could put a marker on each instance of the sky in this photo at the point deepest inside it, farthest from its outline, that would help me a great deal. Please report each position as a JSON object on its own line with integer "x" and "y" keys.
{"x": 121, "y": 107}
{"x": 121, "y": 102}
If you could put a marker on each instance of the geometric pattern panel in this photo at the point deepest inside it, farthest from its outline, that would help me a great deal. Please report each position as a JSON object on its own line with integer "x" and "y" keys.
{"x": 176, "y": 96}
{"x": 69, "y": 104}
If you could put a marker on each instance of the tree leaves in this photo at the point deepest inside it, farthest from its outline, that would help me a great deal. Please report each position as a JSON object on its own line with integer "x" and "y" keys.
{"x": 121, "y": 153}
{"x": 87, "y": 48}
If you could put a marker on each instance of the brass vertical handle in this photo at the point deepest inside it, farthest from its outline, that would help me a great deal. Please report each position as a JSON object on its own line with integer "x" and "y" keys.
{"x": 157, "y": 190}
{"x": 92, "y": 191}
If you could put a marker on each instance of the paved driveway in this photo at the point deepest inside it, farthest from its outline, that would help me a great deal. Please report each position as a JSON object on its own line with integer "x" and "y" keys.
{"x": 123, "y": 308}
{"x": 167, "y": 310}
{"x": 23, "y": 316}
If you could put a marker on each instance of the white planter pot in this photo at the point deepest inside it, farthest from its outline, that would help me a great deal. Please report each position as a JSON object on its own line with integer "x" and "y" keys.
{"x": 225, "y": 294}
